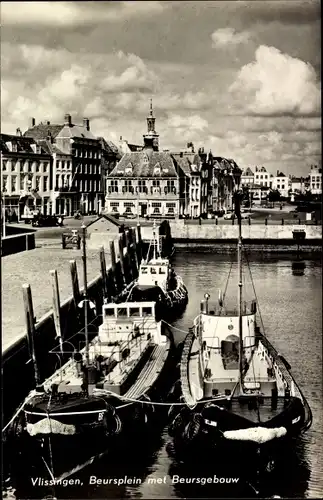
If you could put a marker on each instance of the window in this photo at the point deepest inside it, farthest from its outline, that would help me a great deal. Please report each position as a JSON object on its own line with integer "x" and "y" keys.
{"x": 37, "y": 182}
{"x": 127, "y": 188}
{"x": 45, "y": 183}
{"x": 37, "y": 167}
{"x": 13, "y": 183}
{"x": 170, "y": 204}
{"x": 4, "y": 183}
{"x": 317, "y": 186}
{"x": 156, "y": 182}
{"x": 156, "y": 204}
{"x": 129, "y": 204}
{"x": 22, "y": 183}
{"x": 113, "y": 188}
{"x": 156, "y": 211}
{"x": 29, "y": 166}
{"x": 128, "y": 210}
{"x": 171, "y": 210}
{"x": 13, "y": 166}
{"x": 114, "y": 204}
{"x": 144, "y": 270}
{"x": 4, "y": 165}
{"x": 146, "y": 310}
{"x": 142, "y": 186}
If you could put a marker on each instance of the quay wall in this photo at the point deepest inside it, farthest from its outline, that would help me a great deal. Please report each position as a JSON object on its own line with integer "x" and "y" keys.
{"x": 17, "y": 243}
{"x": 204, "y": 232}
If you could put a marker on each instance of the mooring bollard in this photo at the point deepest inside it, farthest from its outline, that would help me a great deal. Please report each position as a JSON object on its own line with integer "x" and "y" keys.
{"x": 103, "y": 273}
{"x": 283, "y": 222}
{"x": 266, "y": 221}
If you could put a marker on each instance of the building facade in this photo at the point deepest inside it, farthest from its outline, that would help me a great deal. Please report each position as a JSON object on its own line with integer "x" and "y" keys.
{"x": 146, "y": 183}
{"x": 262, "y": 177}
{"x": 26, "y": 173}
{"x": 225, "y": 180}
{"x": 78, "y": 177}
{"x": 197, "y": 169}
{"x": 247, "y": 177}
{"x": 315, "y": 180}
{"x": 281, "y": 182}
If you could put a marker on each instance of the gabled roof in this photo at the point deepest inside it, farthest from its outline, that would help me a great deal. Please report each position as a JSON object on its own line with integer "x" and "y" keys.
{"x": 43, "y": 130}
{"x": 109, "y": 147}
{"x": 248, "y": 172}
{"x": 143, "y": 164}
{"x": 186, "y": 162}
{"x": 280, "y": 174}
{"x": 108, "y": 218}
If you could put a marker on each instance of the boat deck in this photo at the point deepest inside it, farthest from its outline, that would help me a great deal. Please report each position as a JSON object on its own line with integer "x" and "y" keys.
{"x": 150, "y": 372}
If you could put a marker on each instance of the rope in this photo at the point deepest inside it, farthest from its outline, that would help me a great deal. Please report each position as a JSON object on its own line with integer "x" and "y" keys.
{"x": 175, "y": 327}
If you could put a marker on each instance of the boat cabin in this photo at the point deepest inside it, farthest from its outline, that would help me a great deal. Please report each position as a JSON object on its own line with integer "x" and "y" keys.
{"x": 155, "y": 272}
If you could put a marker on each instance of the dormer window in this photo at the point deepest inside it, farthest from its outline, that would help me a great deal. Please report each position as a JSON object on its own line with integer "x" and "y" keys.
{"x": 120, "y": 172}
{"x": 165, "y": 170}
{"x": 157, "y": 170}
{"x": 145, "y": 159}
{"x": 129, "y": 169}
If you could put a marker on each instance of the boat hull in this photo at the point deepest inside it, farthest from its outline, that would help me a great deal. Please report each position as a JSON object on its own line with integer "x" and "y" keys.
{"x": 88, "y": 427}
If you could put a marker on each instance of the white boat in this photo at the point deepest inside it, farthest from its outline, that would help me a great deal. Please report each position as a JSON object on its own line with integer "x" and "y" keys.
{"x": 240, "y": 396}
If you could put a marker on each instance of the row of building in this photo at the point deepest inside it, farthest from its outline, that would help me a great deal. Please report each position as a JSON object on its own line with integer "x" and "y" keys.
{"x": 260, "y": 182}
{"x": 61, "y": 169}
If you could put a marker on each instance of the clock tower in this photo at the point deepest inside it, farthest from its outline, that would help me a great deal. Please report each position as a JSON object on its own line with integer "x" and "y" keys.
{"x": 151, "y": 139}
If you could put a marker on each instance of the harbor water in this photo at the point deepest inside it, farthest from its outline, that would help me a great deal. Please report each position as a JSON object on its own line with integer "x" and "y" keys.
{"x": 291, "y": 310}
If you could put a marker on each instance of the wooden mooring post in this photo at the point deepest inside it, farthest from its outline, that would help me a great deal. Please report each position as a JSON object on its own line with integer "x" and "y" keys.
{"x": 134, "y": 249}
{"x": 104, "y": 273}
{"x": 129, "y": 255}
{"x": 30, "y": 324}
{"x": 121, "y": 257}
{"x": 75, "y": 283}
{"x": 56, "y": 307}
{"x": 113, "y": 266}
{"x": 139, "y": 244}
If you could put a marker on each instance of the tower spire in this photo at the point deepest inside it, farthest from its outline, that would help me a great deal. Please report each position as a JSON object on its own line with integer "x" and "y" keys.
{"x": 151, "y": 137}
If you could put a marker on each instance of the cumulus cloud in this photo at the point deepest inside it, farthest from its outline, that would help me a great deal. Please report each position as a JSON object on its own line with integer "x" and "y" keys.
{"x": 228, "y": 37}
{"x": 193, "y": 122}
{"x": 277, "y": 84}
{"x": 75, "y": 13}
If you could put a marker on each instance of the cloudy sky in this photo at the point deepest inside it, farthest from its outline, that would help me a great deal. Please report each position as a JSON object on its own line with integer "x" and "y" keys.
{"x": 241, "y": 78}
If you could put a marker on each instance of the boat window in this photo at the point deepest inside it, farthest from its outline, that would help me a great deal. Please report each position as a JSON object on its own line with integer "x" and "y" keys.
{"x": 161, "y": 270}
{"x": 146, "y": 310}
{"x": 134, "y": 311}
{"x": 122, "y": 311}
{"x": 109, "y": 312}
{"x": 144, "y": 270}
{"x": 153, "y": 270}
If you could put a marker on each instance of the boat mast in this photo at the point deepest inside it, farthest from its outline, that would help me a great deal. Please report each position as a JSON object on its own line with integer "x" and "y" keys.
{"x": 85, "y": 300}
{"x": 238, "y": 214}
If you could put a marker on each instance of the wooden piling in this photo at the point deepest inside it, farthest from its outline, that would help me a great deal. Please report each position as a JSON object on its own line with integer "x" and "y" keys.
{"x": 121, "y": 257}
{"x": 30, "y": 323}
{"x": 56, "y": 307}
{"x": 75, "y": 282}
{"x": 139, "y": 244}
{"x": 113, "y": 267}
{"x": 103, "y": 273}
{"x": 129, "y": 254}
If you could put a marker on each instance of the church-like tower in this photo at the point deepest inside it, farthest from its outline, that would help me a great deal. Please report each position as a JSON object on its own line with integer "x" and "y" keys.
{"x": 151, "y": 139}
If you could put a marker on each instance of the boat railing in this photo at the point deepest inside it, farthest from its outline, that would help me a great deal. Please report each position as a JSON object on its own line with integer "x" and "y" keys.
{"x": 286, "y": 372}
{"x": 248, "y": 308}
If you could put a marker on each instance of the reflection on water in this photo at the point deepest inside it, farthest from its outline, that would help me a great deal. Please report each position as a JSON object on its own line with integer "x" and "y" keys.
{"x": 290, "y": 307}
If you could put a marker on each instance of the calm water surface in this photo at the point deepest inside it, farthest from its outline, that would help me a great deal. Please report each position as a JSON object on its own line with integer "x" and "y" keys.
{"x": 291, "y": 309}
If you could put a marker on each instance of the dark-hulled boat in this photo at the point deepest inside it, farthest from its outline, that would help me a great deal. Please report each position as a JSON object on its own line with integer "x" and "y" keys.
{"x": 158, "y": 281}
{"x": 240, "y": 397}
{"x": 100, "y": 395}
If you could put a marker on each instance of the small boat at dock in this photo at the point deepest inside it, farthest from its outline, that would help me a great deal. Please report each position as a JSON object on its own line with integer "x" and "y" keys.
{"x": 103, "y": 393}
{"x": 159, "y": 282}
{"x": 241, "y": 401}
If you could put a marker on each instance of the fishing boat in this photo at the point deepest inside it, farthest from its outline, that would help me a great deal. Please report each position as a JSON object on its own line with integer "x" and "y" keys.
{"x": 158, "y": 281}
{"x": 103, "y": 392}
{"x": 239, "y": 396}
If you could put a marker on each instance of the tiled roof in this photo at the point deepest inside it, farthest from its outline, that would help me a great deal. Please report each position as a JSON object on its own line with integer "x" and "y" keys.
{"x": 75, "y": 131}
{"x": 42, "y": 131}
{"x": 186, "y": 160}
{"x": 135, "y": 147}
{"x": 145, "y": 164}
{"x": 23, "y": 144}
{"x": 109, "y": 147}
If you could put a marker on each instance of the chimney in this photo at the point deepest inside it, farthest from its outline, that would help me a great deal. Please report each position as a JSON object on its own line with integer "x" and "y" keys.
{"x": 32, "y": 122}
{"x": 18, "y": 132}
{"x": 277, "y": 173}
{"x": 86, "y": 123}
{"x": 68, "y": 120}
